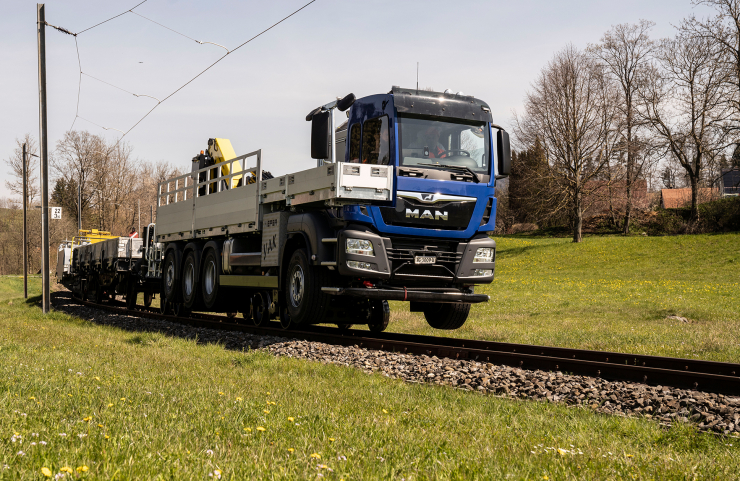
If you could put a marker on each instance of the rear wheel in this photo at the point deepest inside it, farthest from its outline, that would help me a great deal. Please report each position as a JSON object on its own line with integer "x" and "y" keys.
{"x": 260, "y": 308}
{"x": 285, "y": 321}
{"x": 179, "y": 310}
{"x": 189, "y": 276}
{"x": 305, "y": 302}
{"x": 446, "y": 316}
{"x": 210, "y": 278}
{"x": 380, "y": 315}
{"x": 169, "y": 277}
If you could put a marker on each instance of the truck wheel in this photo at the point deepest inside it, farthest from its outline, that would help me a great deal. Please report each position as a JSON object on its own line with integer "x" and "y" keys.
{"x": 179, "y": 310}
{"x": 380, "y": 315}
{"x": 210, "y": 278}
{"x": 446, "y": 316}
{"x": 164, "y": 305}
{"x": 169, "y": 277}
{"x": 260, "y": 305}
{"x": 285, "y": 321}
{"x": 306, "y": 303}
{"x": 189, "y": 284}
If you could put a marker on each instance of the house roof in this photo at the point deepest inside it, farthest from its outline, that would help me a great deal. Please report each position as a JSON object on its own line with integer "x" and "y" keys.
{"x": 677, "y": 198}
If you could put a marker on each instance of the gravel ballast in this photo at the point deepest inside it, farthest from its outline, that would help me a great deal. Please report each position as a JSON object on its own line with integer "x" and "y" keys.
{"x": 709, "y": 411}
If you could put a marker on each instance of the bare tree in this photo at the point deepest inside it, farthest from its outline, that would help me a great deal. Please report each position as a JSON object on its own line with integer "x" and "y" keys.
{"x": 15, "y": 162}
{"x": 683, "y": 99}
{"x": 572, "y": 110}
{"x": 625, "y": 51}
{"x": 723, "y": 31}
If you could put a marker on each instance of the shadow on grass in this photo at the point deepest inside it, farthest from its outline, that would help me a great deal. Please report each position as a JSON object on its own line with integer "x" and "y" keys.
{"x": 154, "y": 332}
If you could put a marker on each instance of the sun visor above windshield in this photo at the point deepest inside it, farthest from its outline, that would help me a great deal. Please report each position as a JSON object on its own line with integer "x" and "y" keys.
{"x": 441, "y": 105}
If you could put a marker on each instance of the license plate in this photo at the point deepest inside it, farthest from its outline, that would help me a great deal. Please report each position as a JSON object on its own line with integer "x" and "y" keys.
{"x": 425, "y": 260}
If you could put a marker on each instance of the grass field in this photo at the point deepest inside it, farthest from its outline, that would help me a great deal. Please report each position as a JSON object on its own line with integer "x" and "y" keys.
{"x": 610, "y": 293}
{"x": 103, "y": 403}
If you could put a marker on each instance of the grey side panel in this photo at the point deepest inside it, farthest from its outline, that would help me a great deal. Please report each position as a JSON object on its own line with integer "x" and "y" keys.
{"x": 274, "y": 233}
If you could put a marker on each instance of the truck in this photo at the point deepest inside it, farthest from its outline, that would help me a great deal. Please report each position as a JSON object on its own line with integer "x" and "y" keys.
{"x": 398, "y": 207}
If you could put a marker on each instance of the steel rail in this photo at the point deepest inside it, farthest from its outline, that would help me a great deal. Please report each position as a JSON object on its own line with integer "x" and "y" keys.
{"x": 707, "y": 376}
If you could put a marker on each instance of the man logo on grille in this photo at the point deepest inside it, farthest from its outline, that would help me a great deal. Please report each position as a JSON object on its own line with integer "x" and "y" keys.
{"x": 427, "y": 214}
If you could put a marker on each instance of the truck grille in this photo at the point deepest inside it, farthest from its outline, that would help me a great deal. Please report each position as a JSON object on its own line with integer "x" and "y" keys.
{"x": 401, "y": 258}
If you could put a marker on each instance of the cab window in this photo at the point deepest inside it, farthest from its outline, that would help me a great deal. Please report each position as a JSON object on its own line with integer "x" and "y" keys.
{"x": 354, "y": 143}
{"x": 375, "y": 143}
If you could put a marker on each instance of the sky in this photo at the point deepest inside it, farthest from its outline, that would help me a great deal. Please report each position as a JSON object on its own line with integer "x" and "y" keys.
{"x": 259, "y": 95}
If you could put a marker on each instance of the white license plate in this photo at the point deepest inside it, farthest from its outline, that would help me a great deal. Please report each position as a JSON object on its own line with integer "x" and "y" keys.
{"x": 425, "y": 260}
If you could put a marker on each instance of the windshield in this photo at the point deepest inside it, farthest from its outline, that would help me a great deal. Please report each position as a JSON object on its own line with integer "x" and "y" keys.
{"x": 438, "y": 143}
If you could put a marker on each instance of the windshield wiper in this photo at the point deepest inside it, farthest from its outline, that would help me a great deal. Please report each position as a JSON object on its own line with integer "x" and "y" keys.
{"x": 458, "y": 167}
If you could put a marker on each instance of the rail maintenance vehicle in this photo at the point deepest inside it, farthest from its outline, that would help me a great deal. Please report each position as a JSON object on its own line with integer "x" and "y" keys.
{"x": 398, "y": 207}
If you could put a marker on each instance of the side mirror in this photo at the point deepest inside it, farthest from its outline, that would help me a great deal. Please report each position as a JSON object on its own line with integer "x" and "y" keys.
{"x": 346, "y": 102}
{"x": 320, "y": 134}
{"x": 503, "y": 153}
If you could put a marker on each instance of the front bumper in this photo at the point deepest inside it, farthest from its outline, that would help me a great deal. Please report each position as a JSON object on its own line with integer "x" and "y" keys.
{"x": 406, "y": 295}
{"x": 394, "y": 259}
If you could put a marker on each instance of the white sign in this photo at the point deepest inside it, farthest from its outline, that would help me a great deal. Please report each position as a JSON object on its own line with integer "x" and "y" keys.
{"x": 56, "y": 213}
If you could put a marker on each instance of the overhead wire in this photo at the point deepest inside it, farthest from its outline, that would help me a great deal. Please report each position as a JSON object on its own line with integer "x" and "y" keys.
{"x": 159, "y": 102}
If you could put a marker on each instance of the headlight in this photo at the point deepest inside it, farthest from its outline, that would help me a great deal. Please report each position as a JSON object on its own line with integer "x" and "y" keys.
{"x": 360, "y": 265}
{"x": 483, "y": 272}
{"x": 362, "y": 247}
{"x": 484, "y": 254}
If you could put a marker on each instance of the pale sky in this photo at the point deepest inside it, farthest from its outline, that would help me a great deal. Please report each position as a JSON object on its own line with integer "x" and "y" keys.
{"x": 258, "y": 96}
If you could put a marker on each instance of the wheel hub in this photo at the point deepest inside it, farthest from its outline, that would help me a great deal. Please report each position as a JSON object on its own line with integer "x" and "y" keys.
{"x": 210, "y": 277}
{"x": 189, "y": 280}
{"x": 297, "y": 285}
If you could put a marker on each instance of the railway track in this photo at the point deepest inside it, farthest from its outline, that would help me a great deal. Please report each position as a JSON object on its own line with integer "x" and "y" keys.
{"x": 707, "y": 376}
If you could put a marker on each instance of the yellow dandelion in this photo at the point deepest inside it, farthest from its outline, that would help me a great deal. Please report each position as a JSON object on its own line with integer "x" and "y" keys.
{"x": 249, "y": 430}
{"x": 110, "y": 405}
{"x": 545, "y": 477}
{"x": 385, "y": 412}
{"x": 291, "y": 419}
{"x": 69, "y": 395}
{"x": 331, "y": 440}
{"x": 123, "y": 399}
{"x": 316, "y": 455}
{"x": 107, "y": 437}
{"x": 266, "y": 411}
{"x": 46, "y": 472}
{"x": 32, "y": 398}
{"x": 82, "y": 469}
{"x": 260, "y": 429}
{"x": 100, "y": 425}
{"x": 87, "y": 418}
{"x": 238, "y": 399}
{"x": 66, "y": 469}
{"x": 96, "y": 378}
{"x": 220, "y": 393}
{"x": 291, "y": 450}
{"x": 268, "y": 393}
{"x": 629, "y": 455}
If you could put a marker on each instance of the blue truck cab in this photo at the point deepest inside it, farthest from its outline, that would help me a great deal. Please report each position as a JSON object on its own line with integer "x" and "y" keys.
{"x": 430, "y": 245}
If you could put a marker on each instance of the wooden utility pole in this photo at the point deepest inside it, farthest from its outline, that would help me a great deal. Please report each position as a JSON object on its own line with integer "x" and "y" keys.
{"x": 41, "y": 37}
{"x": 25, "y": 216}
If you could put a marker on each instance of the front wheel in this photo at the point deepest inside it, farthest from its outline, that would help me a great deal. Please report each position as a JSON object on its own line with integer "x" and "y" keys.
{"x": 380, "y": 316}
{"x": 305, "y": 301}
{"x": 446, "y": 316}
{"x": 170, "y": 275}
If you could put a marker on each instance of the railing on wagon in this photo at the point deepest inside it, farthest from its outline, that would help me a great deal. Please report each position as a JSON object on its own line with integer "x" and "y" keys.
{"x": 176, "y": 189}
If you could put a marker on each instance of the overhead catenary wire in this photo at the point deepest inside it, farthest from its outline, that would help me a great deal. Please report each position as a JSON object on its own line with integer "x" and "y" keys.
{"x": 159, "y": 102}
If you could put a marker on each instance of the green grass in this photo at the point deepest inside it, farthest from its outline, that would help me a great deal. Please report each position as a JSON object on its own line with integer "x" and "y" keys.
{"x": 146, "y": 406}
{"x": 609, "y": 293}
{"x": 12, "y": 287}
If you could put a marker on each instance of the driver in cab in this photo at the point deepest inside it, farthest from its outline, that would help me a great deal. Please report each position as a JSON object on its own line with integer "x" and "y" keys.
{"x": 428, "y": 140}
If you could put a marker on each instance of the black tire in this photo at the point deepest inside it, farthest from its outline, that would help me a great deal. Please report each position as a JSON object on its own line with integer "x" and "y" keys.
{"x": 148, "y": 297}
{"x": 305, "y": 301}
{"x": 189, "y": 280}
{"x": 164, "y": 305}
{"x": 285, "y": 321}
{"x": 210, "y": 278}
{"x": 170, "y": 276}
{"x": 260, "y": 308}
{"x": 380, "y": 315}
{"x": 446, "y": 316}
